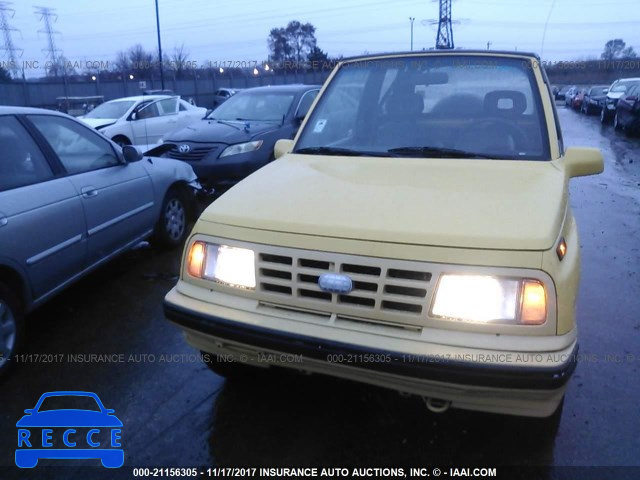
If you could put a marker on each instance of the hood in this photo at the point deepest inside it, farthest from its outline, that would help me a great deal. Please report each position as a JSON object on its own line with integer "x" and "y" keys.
{"x": 99, "y": 122}
{"x": 485, "y": 204}
{"x": 615, "y": 95}
{"x": 212, "y": 131}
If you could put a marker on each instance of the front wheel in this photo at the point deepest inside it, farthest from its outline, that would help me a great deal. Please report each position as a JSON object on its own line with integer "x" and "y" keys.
{"x": 121, "y": 140}
{"x": 616, "y": 123}
{"x": 11, "y": 328}
{"x": 171, "y": 229}
{"x": 604, "y": 118}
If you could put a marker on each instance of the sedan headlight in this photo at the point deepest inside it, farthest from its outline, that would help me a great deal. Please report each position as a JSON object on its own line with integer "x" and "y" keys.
{"x": 231, "y": 266}
{"x": 489, "y": 299}
{"x": 241, "y": 148}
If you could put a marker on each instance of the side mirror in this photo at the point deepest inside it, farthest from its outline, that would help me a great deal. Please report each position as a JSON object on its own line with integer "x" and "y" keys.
{"x": 581, "y": 162}
{"x": 134, "y": 116}
{"x": 29, "y": 411}
{"x": 282, "y": 147}
{"x": 131, "y": 154}
{"x": 109, "y": 411}
{"x": 605, "y": 91}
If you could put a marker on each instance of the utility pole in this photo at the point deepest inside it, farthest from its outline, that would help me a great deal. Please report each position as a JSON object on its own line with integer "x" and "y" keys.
{"x": 49, "y": 17}
{"x": 444, "y": 39}
{"x": 7, "y": 12}
{"x": 489, "y": 45}
{"x": 412, "y": 19}
{"x": 159, "y": 46}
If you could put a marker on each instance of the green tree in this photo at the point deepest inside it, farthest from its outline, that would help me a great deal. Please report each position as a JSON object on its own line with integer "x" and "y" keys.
{"x": 617, "y": 48}
{"x": 295, "y": 42}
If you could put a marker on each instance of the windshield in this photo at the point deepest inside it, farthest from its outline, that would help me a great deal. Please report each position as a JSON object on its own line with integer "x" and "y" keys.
{"x": 257, "y": 106}
{"x": 69, "y": 402}
{"x": 460, "y": 106}
{"x": 110, "y": 110}
{"x": 621, "y": 87}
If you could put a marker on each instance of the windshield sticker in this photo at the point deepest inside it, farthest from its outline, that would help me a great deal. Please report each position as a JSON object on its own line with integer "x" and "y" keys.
{"x": 319, "y": 126}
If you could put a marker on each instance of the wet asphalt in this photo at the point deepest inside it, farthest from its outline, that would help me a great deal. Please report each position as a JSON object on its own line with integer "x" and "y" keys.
{"x": 177, "y": 413}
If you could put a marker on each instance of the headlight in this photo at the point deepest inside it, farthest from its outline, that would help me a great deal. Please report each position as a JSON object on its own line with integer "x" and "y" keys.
{"x": 488, "y": 299}
{"x": 241, "y": 148}
{"x": 232, "y": 266}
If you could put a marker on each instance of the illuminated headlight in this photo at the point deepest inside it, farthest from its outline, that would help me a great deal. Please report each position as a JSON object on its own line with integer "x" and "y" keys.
{"x": 232, "y": 266}
{"x": 488, "y": 299}
{"x": 241, "y": 148}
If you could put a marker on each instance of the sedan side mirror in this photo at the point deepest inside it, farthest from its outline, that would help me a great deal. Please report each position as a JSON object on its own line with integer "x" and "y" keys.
{"x": 134, "y": 116}
{"x": 581, "y": 162}
{"x": 131, "y": 154}
{"x": 605, "y": 91}
{"x": 282, "y": 147}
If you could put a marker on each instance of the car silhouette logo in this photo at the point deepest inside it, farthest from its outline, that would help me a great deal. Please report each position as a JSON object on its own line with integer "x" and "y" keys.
{"x": 69, "y": 433}
{"x": 184, "y": 148}
{"x": 335, "y": 283}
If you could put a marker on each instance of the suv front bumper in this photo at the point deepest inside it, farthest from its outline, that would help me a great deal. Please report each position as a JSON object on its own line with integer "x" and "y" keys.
{"x": 474, "y": 385}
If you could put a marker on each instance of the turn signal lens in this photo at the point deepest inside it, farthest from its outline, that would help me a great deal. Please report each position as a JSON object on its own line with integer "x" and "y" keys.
{"x": 534, "y": 303}
{"x": 561, "y": 251}
{"x": 197, "y": 254}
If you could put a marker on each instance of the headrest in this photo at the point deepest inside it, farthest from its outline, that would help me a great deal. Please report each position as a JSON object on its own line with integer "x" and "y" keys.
{"x": 505, "y": 102}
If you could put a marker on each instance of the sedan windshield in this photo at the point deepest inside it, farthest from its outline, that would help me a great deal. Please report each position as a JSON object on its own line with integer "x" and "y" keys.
{"x": 256, "y": 106}
{"x": 432, "y": 106}
{"x": 110, "y": 110}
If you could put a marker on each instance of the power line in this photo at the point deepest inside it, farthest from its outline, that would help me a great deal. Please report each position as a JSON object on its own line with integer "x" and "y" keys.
{"x": 7, "y": 12}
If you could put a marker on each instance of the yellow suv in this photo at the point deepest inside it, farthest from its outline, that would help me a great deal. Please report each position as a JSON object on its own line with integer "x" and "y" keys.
{"x": 415, "y": 235}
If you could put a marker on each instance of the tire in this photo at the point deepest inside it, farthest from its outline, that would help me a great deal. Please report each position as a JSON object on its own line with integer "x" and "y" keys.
{"x": 171, "y": 229}
{"x": 11, "y": 328}
{"x": 231, "y": 370}
{"x": 616, "y": 123}
{"x": 604, "y": 118}
{"x": 121, "y": 140}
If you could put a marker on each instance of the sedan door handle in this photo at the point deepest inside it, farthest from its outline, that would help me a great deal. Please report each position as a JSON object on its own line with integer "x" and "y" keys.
{"x": 88, "y": 192}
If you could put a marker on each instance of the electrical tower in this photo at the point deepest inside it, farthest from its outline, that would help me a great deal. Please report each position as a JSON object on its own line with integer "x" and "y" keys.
{"x": 444, "y": 39}
{"x": 7, "y": 12}
{"x": 49, "y": 17}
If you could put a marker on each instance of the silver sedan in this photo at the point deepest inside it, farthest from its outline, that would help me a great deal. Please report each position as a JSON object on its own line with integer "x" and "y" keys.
{"x": 70, "y": 200}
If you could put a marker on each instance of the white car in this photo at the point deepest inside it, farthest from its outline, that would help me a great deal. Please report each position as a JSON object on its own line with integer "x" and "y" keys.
{"x": 142, "y": 120}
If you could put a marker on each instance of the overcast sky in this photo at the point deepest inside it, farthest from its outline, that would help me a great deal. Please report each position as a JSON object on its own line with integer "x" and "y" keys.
{"x": 237, "y": 30}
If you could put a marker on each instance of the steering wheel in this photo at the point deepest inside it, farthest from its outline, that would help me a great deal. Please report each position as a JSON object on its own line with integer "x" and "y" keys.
{"x": 512, "y": 130}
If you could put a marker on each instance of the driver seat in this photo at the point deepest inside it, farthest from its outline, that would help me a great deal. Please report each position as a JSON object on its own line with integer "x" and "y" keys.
{"x": 502, "y": 106}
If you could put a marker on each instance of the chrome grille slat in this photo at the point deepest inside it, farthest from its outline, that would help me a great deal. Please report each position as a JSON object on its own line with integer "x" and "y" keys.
{"x": 384, "y": 290}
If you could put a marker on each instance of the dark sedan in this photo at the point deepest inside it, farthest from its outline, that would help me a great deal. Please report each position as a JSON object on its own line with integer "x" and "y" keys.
{"x": 238, "y": 137}
{"x": 627, "y": 115}
{"x": 593, "y": 100}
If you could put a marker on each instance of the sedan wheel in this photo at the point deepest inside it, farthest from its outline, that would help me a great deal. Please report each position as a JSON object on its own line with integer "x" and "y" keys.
{"x": 10, "y": 328}
{"x": 172, "y": 225}
{"x": 603, "y": 116}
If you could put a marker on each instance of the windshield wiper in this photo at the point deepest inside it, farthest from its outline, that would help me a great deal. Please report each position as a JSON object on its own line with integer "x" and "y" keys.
{"x": 224, "y": 122}
{"x": 339, "y": 151}
{"x": 439, "y": 153}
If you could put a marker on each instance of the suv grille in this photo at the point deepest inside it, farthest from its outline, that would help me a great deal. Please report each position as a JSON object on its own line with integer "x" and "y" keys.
{"x": 386, "y": 290}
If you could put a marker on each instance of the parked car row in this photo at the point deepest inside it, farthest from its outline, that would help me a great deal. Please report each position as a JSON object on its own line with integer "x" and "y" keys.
{"x": 618, "y": 102}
